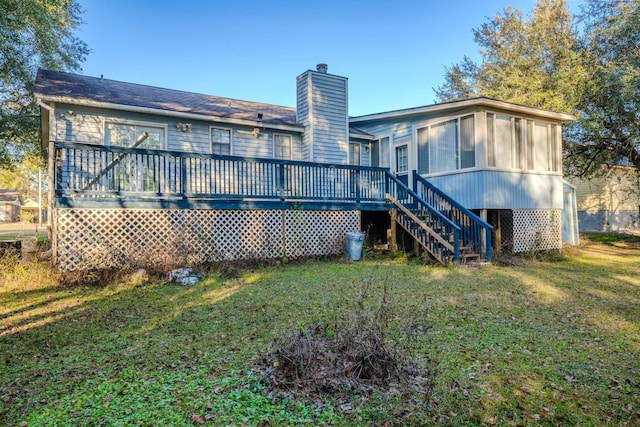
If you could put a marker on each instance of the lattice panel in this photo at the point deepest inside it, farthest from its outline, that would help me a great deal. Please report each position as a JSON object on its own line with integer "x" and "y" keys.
{"x": 536, "y": 230}
{"x": 318, "y": 232}
{"x": 111, "y": 238}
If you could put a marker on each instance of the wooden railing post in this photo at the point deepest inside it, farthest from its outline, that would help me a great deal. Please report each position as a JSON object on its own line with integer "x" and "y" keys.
{"x": 357, "y": 174}
{"x": 456, "y": 246}
{"x": 280, "y": 180}
{"x": 183, "y": 176}
{"x": 488, "y": 244}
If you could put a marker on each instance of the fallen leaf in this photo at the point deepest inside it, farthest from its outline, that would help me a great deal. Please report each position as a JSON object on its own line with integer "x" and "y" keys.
{"x": 197, "y": 419}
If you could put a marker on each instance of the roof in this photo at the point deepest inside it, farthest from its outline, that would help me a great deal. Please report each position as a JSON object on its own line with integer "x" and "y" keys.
{"x": 465, "y": 103}
{"x": 67, "y": 87}
{"x": 354, "y": 132}
{"x": 9, "y": 196}
{"x": 30, "y": 203}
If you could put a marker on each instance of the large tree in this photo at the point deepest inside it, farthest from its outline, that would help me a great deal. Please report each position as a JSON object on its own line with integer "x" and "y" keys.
{"x": 33, "y": 34}
{"x": 609, "y": 129}
{"x": 542, "y": 61}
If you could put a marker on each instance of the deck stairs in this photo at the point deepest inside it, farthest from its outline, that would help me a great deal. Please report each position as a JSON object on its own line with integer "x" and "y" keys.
{"x": 440, "y": 225}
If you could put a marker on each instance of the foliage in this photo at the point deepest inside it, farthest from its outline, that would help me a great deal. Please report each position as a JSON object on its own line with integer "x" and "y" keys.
{"x": 33, "y": 34}
{"x": 544, "y": 61}
{"x": 23, "y": 176}
{"x": 535, "y": 344}
{"x": 609, "y": 112}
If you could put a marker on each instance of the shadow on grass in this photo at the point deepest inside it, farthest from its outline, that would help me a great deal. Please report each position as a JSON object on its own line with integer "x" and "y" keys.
{"x": 546, "y": 341}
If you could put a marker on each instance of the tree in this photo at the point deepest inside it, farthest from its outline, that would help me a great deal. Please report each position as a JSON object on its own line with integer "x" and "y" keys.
{"x": 609, "y": 129}
{"x": 33, "y": 34}
{"x": 542, "y": 61}
{"x": 526, "y": 61}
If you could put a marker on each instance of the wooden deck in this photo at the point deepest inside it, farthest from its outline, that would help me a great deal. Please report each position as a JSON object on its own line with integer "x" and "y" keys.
{"x": 92, "y": 176}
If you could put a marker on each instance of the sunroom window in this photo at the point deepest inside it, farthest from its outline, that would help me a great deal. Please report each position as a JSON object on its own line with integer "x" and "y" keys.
{"x": 516, "y": 143}
{"x": 447, "y": 146}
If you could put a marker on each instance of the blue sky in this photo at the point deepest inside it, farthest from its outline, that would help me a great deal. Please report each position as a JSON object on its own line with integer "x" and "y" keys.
{"x": 393, "y": 52}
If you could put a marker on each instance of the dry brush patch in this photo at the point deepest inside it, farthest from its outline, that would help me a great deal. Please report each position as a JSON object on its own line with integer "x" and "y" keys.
{"x": 364, "y": 348}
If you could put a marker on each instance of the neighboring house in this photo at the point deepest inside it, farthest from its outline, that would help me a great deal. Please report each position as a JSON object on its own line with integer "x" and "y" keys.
{"x": 9, "y": 205}
{"x": 137, "y": 169}
{"x": 30, "y": 211}
{"x": 610, "y": 201}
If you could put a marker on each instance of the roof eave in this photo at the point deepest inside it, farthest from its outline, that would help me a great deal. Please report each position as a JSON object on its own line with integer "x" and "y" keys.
{"x": 475, "y": 102}
{"x": 169, "y": 113}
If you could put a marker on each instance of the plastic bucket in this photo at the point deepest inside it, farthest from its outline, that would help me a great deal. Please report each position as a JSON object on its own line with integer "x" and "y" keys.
{"x": 354, "y": 243}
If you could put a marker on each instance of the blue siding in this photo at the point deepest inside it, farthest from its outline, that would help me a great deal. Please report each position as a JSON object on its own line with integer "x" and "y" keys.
{"x": 322, "y": 109}
{"x": 502, "y": 190}
{"x": 86, "y": 126}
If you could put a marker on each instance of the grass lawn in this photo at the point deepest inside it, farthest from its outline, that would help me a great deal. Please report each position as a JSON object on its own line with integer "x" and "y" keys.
{"x": 552, "y": 343}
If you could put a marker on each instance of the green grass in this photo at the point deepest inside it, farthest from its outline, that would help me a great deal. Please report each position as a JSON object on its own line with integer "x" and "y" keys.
{"x": 40, "y": 237}
{"x": 552, "y": 343}
{"x": 613, "y": 238}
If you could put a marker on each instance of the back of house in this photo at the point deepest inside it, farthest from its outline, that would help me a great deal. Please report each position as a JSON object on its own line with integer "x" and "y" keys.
{"x": 136, "y": 167}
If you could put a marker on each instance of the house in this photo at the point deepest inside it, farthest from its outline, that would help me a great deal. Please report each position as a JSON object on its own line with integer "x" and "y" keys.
{"x": 31, "y": 211}
{"x": 140, "y": 170}
{"x": 609, "y": 201}
{"x": 9, "y": 205}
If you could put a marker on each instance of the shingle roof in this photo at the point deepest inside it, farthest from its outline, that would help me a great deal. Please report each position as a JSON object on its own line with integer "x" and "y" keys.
{"x": 9, "y": 196}
{"x": 60, "y": 84}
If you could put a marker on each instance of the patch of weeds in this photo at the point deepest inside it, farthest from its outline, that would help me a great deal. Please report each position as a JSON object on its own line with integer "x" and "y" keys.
{"x": 362, "y": 350}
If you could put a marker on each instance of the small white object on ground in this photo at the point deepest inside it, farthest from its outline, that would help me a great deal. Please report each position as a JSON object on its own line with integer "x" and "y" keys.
{"x": 184, "y": 276}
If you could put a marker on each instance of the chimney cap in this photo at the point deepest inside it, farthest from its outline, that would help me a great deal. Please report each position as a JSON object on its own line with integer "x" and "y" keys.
{"x": 322, "y": 68}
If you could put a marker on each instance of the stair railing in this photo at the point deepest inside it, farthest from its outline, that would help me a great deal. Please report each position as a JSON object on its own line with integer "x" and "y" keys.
{"x": 438, "y": 235}
{"x": 473, "y": 228}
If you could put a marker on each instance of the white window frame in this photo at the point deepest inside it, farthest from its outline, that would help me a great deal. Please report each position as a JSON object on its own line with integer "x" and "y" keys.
{"x": 407, "y": 145}
{"x": 230, "y": 130}
{"x": 528, "y": 145}
{"x": 107, "y": 122}
{"x": 290, "y": 145}
{"x": 434, "y": 122}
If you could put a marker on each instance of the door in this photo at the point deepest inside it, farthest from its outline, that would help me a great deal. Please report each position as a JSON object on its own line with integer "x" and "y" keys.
{"x": 282, "y": 151}
{"x": 567, "y": 219}
{"x": 400, "y": 164}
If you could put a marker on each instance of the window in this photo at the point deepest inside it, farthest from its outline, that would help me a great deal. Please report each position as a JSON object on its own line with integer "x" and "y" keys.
{"x": 541, "y": 149}
{"x": 133, "y": 172}
{"x": 516, "y": 143}
{"x": 530, "y": 146}
{"x": 354, "y": 153}
{"x": 467, "y": 143}
{"x": 447, "y": 146}
{"x": 491, "y": 140}
{"x": 402, "y": 159}
{"x": 128, "y": 134}
{"x": 380, "y": 152}
{"x": 555, "y": 149}
{"x": 282, "y": 147}
{"x": 221, "y": 141}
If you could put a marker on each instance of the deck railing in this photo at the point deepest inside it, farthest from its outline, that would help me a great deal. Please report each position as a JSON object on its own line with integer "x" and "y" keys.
{"x": 473, "y": 228}
{"x": 105, "y": 172}
{"x": 99, "y": 173}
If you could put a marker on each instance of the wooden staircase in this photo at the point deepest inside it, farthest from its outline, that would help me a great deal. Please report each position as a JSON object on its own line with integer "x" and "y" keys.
{"x": 443, "y": 228}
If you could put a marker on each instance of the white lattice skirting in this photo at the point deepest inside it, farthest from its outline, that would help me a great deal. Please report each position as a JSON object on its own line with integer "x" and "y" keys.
{"x": 112, "y": 238}
{"x": 536, "y": 230}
